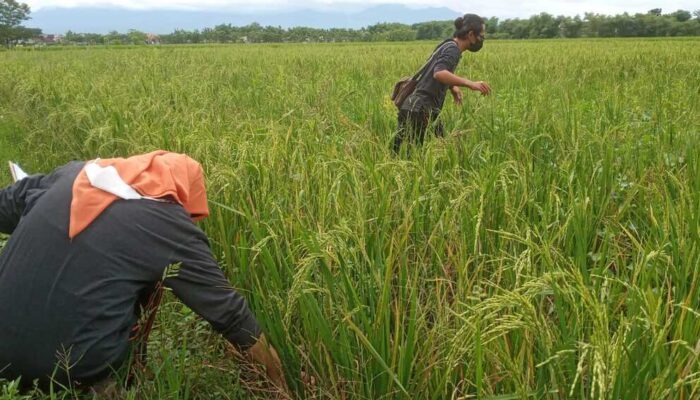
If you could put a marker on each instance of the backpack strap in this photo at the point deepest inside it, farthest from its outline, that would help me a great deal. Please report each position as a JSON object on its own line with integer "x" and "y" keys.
{"x": 442, "y": 45}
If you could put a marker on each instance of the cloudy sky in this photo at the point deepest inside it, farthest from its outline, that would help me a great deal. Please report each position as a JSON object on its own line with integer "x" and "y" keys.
{"x": 498, "y": 8}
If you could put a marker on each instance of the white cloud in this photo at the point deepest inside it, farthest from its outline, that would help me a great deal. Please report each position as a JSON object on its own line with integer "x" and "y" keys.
{"x": 498, "y": 8}
{"x": 507, "y": 9}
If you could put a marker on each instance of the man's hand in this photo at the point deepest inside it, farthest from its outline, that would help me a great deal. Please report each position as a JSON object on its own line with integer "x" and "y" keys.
{"x": 263, "y": 353}
{"x": 480, "y": 86}
{"x": 457, "y": 94}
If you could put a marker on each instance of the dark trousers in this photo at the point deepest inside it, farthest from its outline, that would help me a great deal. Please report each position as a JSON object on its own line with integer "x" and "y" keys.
{"x": 413, "y": 126}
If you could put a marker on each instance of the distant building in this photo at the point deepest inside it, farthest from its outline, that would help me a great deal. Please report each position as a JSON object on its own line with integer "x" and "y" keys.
{"x": 152, "y": 38}
{"x": 50, "y": 39}
{"x": 41, "y": 40}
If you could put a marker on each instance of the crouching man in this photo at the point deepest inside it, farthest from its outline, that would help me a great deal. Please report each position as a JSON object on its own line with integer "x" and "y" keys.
{"x": 88, "y": 243}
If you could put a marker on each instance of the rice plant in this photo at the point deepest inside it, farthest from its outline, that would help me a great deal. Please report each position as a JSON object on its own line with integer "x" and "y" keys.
{"x": 547, "y": 248}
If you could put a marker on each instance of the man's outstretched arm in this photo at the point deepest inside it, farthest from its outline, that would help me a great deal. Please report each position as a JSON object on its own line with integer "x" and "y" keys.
{"x": 202, "y": 286}
{"x": 448, "y": 78}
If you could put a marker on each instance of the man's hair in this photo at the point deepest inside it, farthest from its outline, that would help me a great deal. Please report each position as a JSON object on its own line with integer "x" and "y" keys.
{"x": 466, "y": 24}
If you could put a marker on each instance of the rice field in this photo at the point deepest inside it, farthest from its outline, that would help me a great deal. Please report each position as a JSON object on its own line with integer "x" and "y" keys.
{"x": 547, "y": 248}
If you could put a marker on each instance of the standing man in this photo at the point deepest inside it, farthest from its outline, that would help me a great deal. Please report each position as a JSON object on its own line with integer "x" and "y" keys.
{"x": 422, "y": 108}
{"x": 88, "y": 243}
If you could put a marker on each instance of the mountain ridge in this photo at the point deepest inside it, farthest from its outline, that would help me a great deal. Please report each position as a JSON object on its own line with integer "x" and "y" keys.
{"x": 161, "y": 21}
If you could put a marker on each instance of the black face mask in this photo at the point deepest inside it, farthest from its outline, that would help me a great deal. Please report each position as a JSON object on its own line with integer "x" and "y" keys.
{"x": 474, "y": 47}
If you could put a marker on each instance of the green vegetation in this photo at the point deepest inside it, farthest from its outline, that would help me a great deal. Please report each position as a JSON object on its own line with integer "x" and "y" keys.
{"x": 547, "y": 248}
{"x": 12, "y": 14}
{"x": 540, "y": 26}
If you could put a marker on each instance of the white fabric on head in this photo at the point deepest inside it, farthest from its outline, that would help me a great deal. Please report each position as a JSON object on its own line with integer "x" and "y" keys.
{"x": 108, "y": 179}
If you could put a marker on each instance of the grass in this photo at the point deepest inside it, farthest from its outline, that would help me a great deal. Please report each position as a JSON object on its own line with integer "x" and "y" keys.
{"x": 547, "y": 248}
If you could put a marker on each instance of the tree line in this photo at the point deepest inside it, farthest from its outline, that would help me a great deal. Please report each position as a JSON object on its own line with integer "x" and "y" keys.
{"x": 12, "y": 14}
{"x": 541, "y": 26}
{"x": 651, "y": 24}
